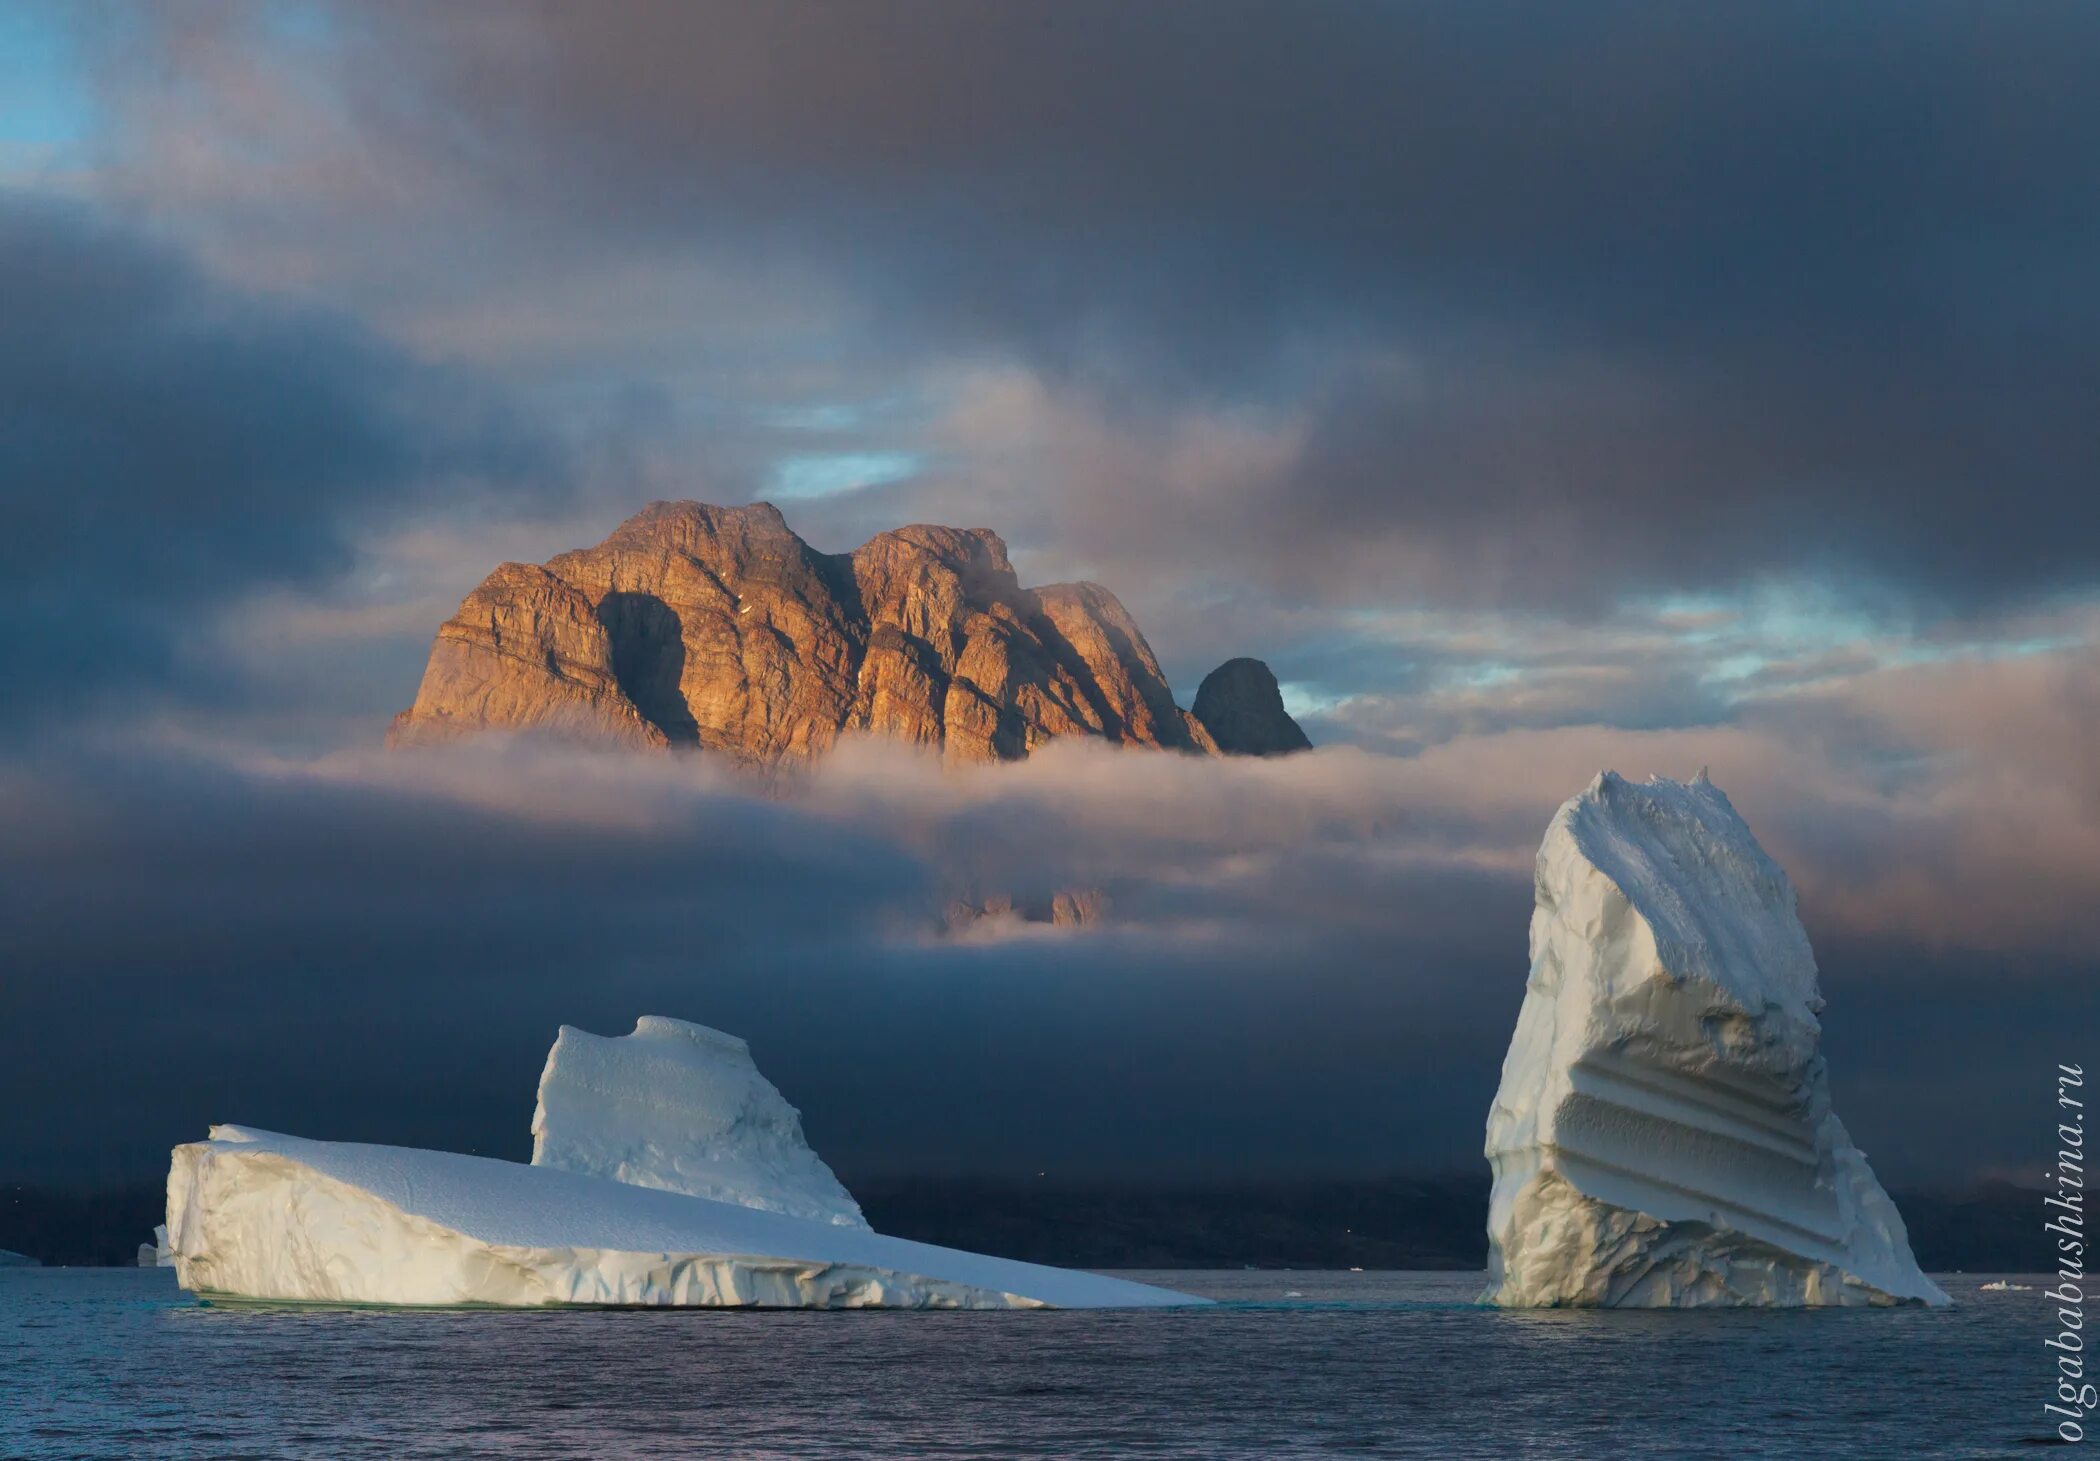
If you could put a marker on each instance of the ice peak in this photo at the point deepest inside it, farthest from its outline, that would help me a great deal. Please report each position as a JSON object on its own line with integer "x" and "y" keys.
{"x": 663, "y": 1027}
{"x": 680, "y": 1106}
{"x": 226, "y": 1131}
{"x": 1715, "y": 905}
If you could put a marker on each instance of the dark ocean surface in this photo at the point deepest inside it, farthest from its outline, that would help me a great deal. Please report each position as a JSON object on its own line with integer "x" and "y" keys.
{"x": 120, "y": 1363}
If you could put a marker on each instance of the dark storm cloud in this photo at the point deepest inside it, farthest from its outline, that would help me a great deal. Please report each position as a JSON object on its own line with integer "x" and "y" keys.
{"x": 185, "y": 942}
{"x": 1674, "y": 296}
{"x": 168, "y": 445}
{"x": 385, "y": 955}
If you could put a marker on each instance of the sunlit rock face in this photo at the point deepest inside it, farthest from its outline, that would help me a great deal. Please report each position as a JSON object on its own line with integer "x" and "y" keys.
{"x": 719, "y": 628}
{"x": 1663, "y": 1135}
{"x": 1071, "y": 908}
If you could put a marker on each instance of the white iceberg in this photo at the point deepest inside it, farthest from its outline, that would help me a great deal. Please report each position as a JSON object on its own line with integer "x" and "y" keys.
{"x": 156, "y": 1254}
{"x": 1663, "y": 1135}
{"x": 256, "y": 1215}
{"x": 667, "y": 1172}
{"x": 11, "y": 1259}
{"x": 681, "y": 1107}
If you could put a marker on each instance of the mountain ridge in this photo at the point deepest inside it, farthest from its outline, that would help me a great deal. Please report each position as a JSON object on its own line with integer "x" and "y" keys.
{"x": 720, "y": 628}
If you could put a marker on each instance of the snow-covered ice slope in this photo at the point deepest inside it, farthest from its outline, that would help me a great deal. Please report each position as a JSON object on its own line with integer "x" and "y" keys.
{"x": 261, "y": 1216}
{"x": 680, "y": 1107}
{"x": 1663, "y": 1134}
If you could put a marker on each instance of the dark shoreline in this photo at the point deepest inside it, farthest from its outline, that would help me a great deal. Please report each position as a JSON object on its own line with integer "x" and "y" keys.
{"x": 1388, "y": 1223}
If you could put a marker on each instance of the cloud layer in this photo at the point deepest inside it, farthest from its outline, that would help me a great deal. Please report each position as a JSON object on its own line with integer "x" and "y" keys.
{"x": 1311, "y": 965}
{"x": 1465, "y": 305}
{"x": 173, "y": 446}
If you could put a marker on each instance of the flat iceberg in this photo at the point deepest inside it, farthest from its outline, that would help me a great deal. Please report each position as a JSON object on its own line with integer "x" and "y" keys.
{"x": 1663, "y": 1135}
{"x": 256, "y": 1215}
{"x": 681, "y": 1107}
{"x": 666, "y": 1172}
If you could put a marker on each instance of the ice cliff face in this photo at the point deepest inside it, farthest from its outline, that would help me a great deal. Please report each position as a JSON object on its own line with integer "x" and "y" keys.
{"x": 719, "y": 627}
{"x": 1663, "y": 1135}
{"x": 683, "y": 1108}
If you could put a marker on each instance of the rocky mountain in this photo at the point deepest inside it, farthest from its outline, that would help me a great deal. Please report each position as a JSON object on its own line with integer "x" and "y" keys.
{"x": 719, "y": 628}
{"x": 1241, "y": 705}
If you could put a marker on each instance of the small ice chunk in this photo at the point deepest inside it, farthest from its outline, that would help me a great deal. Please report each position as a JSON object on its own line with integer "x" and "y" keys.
{"x": 155, "y": 1254}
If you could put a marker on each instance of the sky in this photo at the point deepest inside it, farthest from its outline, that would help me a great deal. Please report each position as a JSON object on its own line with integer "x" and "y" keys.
{"x": 1535, "y": 389}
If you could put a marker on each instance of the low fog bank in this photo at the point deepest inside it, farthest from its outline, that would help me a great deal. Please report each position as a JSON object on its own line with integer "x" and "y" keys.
{"x": 1308, "y": 968}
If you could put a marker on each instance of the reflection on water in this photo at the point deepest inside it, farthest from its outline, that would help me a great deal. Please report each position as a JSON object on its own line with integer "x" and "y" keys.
{"x": 118, "y": 1363}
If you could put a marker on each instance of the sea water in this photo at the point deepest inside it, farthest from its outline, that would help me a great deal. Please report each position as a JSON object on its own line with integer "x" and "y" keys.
{"x": 120, "y": 1363}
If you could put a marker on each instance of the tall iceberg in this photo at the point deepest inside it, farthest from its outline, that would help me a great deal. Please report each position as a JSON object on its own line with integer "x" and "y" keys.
{"x": 667, "y": 1172}
{"x": 1663, "y": 1135}
{"x": 681, "y": 1107}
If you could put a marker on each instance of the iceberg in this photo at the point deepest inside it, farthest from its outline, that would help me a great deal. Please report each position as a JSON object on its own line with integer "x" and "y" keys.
{"x": 681, "y": 1107}
{"x": 11, "y": 1259}
{"x": 253, "y": 1214}
{"x": 155, "y": 1254}
{"x": 666, "y": 1172}
{"x": 1663, "y": 1136}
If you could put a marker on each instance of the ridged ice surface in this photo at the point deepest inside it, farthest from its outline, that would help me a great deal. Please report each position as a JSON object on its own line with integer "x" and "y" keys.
{"x": 256, "y": 1215}
{"x": 681, "y": 1107}
{"x": 1663, "y": 1134}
